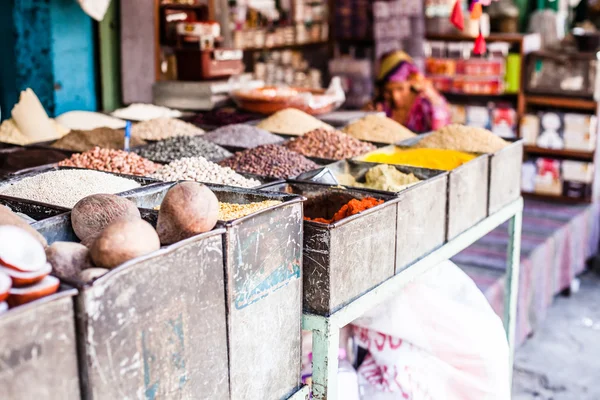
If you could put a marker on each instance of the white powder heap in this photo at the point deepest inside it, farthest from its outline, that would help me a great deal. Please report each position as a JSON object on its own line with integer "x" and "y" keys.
{"x": 145, "y": 112}
{"x": 199, "y": 169}
{"x": 88, "y": 120}
{"x": 66, "y": 187}
{"x": 292, "y": 121}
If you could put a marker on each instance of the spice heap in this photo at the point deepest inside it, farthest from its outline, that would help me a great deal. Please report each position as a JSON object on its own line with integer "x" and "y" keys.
{"x": 378, "y": 128}
{"x": 106, "y": 138}
{"x": 117, "y": 161}
{"x": 270, "y": 160}
{"x": 354, "y": 206}
{"x": 183, "y": 146}
{"x": 426, "y": 158}
{"x": 66, "y": 187}
{"x": 463, "y": 138}
{"x": 201, "y": 170}
{"x": 245, "y": 136}
{"x": 164, "y": 128}
{"x": 145, "y": 112}
{"x": 24, "y": 268}
{"x": 231, "y": 211}
{"x": 10, "y": 133}
{"x": 381, "y": 177}
{"x": 333, "y": 145}
{"x": 292, "y": 122}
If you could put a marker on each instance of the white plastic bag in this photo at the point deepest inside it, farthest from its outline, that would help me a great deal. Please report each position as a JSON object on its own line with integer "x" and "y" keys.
{"x": 438, "y": 339}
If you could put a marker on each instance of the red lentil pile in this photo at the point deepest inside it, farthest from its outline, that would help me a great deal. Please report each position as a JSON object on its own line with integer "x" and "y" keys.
{"x": 109, "y": 160}
{"x": 354, "y": 206}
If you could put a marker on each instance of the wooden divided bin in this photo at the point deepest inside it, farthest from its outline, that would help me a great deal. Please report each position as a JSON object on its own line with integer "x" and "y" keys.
{"x": 421, "y": 209}
{"x": 345, "y": 259}
{"x": 154, "y": 327}
{"x": 263, "y": 259}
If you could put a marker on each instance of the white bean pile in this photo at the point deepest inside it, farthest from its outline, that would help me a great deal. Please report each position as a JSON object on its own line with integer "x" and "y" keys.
{"x": 201, "y": 170}
{"x": 66, "y": 187}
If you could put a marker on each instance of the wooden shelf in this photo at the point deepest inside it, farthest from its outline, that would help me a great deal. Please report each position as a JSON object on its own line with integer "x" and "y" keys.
{"x": 296, "y": 46}
{"x": 560, "y": 199}
{"x": 580, "y": 155}
{"x": 493, "y": 37}
{"x": 183, "y": 6}
{"x": 502, "y": 96}
{"x": 562, "y": 102}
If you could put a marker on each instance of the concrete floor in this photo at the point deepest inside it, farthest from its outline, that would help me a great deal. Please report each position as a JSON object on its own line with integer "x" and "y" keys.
{"x": 562, "y": 359}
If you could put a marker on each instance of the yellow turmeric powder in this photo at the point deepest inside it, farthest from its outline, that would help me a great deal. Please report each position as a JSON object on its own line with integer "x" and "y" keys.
{"x": 426, "y": 158}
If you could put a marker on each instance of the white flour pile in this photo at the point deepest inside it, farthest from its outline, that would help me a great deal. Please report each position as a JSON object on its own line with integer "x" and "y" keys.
{"x": 66, "y": 187}
{"x": 145, "y": 112}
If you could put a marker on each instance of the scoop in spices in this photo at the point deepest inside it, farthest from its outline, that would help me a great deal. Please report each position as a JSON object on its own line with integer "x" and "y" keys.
{"x": 270, "y": 160}
{"x": 116, "y": 161}
{"x": 333, "y": 145}
{"x": 100, "y": 137}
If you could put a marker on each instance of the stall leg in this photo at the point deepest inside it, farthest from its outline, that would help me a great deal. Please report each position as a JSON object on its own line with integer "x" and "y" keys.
{"x": 326, "y": 343}
{"x": 512, "y": 283}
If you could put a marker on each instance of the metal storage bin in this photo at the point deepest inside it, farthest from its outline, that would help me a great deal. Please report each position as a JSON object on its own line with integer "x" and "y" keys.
{"x": 39, "y": 353}
{"x": 505, "y": 176}
{"x": 263, "y": 259}
{"x": 468, "y": 189}
{"x": 421, "y": 217}
{"x": 347, "y": 258}
{"x": 154, "y": 326}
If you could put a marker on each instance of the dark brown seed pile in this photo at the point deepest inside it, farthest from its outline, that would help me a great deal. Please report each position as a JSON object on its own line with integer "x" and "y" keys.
{"x": 333, "y": 145}
{"x": 270, "y": 160}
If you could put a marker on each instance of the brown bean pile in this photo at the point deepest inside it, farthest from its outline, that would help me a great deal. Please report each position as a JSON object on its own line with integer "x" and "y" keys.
{"x": 102, "y": 137}
{"x": 333, "y": 145}
{"x": 117, "y": 161}
{"x": 270, "y": 160}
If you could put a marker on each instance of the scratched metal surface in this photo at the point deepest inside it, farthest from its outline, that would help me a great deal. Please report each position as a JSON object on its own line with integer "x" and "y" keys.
{"x": 264, "y": 296}
{"x": 468, "y": 195}
{"x": 155, "y": 327}
{"x": 345, "y": 259}
{"x": 35, "y": 210}
{"x": 263, "y": 274}
{"x": 505, "y": 176}
{"x": 421, "y": 209}
{"x": 38, "y": 354}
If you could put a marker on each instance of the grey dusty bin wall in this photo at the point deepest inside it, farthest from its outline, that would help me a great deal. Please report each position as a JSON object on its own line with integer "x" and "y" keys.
{"x": 421, "y": 209}
{"x": 38, "y": 352}
{"x": 347, "y": 258}
{"x": 505, "y": 175}
{"x": 263, "y": 258}
{"x": 154, "y": 327}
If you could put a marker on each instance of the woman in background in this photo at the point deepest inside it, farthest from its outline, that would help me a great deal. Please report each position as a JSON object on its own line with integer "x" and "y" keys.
{"x": 407, "y": 97}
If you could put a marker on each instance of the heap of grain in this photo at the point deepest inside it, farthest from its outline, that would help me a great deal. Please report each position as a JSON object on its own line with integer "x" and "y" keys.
{"x": 164, "y": 128}
{"x": 231, "y": 211}
{"x": 109, "y": 160}
{"x": 378, "y": 128}
{"x": 332, "y": 145}
{"x": 270, "y": 160}
{"x": 106, "y": 138}
{"x": 244, "y": 136}
{"x": 66, "y": 187}
{"x": 183, "y": 146}
{"x": 463, "y": 138}
{"x": 292, "y": 122}
{"x": 201, "y": 170}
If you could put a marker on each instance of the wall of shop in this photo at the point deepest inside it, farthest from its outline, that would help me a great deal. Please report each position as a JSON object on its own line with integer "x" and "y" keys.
{"x": 47, "y": 45}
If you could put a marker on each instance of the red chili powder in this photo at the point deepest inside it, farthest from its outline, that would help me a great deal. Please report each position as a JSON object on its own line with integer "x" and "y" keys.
{"x": 354, "y": 206}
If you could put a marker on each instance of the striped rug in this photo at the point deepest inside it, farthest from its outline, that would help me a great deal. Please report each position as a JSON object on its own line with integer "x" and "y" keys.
{"x": 557, "y": 240}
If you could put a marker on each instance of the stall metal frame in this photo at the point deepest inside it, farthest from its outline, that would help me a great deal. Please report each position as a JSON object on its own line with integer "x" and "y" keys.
{"x": 326, "y": 329}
